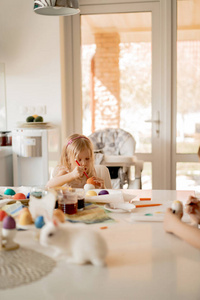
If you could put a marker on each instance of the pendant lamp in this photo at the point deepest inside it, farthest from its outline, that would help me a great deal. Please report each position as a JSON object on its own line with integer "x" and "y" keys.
{"x": 56, "y": 7}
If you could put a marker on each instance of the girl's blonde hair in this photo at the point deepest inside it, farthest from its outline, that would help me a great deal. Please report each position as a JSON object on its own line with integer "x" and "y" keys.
{"x": 73, "y": 145}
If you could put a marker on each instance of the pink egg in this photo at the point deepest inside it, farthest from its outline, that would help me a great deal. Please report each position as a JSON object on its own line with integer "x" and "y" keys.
{"x": 9, "y": 222}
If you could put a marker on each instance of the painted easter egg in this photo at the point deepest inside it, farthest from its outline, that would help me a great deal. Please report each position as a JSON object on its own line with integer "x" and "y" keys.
{"x": 9, "y": 192}
{"x": 88, "y": 187}
{"x": 9, "y": 223}
{"x": 91, "y": 181}
{"x": 19, "y": 196}
{"x": 25, "y": 217}
{"x": 103, "y": 192}
{"x": 177, "y": 207}
{"x": 3, "y": 214}
{"x": 28, "y": 195}
{"x": 91, "y": 193}
{"x": 39, "y": 222}
{"x": 59, "y": 214}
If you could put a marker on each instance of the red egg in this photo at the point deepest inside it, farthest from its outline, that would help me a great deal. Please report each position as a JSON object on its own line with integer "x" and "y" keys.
{"x": 3, "y": 214}
{"x": 19, "y": 196}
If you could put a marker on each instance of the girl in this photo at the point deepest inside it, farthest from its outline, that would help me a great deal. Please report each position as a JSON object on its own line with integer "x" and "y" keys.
{"x": 76, "y": 148}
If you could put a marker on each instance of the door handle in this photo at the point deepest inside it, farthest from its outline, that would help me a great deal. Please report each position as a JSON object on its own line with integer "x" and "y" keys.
{"x": 157, "y": 121}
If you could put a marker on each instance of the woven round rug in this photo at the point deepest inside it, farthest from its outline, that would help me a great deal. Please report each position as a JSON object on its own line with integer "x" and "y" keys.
{"x": 23, "y": 266}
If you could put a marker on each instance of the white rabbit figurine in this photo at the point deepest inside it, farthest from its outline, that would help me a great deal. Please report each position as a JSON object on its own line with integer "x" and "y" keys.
{"x": 79, "y": 243}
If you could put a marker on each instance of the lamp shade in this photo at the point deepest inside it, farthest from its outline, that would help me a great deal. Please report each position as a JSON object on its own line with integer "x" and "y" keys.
{"x": 56, "y": 7}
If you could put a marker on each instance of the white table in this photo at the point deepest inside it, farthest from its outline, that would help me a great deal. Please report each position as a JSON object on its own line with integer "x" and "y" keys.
{"x": 143, "y": 262}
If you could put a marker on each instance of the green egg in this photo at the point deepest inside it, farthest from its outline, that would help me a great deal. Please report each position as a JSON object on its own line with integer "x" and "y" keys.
{"x": 9, "y": 192}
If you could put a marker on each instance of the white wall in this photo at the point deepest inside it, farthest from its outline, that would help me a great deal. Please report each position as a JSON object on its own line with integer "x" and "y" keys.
{"x": 30, "y": 49}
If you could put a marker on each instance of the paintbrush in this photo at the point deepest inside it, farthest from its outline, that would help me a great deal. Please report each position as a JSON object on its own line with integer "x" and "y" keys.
{"x": 79, "y": 166}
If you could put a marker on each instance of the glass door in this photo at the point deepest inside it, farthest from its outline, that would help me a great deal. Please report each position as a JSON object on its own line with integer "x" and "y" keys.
{"x": 116, "y": 53}
{"x": 187, "y": 105}
{"x": 116, "y": 61}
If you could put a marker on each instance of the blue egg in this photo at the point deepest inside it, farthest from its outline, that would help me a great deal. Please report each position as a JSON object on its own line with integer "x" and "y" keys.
{"x": 28, "y": 196}
{"x": 39, "y": 222}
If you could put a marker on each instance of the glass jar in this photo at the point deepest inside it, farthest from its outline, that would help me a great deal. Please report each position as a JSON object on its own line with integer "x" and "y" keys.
{"x": 80, "y": 199}
{"x": 67, "y": 201}
{"x": 5, "y": 138}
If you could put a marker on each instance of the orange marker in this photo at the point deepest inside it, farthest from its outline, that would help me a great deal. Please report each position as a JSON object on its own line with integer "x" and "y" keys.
{"x": 147, "y": 205}
{"x": 145, "y": 199}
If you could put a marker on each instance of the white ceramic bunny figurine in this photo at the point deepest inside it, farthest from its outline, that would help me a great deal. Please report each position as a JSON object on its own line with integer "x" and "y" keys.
{"x": 79, "y": 243}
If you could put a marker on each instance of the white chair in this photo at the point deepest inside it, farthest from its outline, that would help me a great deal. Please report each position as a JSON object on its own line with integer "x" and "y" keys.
{"x": 115, "y": 148}
{"x": 103, "y": 172}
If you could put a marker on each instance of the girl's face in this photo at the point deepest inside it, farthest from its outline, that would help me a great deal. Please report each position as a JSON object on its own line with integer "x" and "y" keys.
{"x": 84, "y": 160}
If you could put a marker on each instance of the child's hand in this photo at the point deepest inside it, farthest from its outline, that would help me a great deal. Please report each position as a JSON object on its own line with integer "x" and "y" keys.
{"x": 192, "y": 207}
{"x": 78, "y": 172}
{"x": 99, "y": 182}
{"x": 170, "y": 220}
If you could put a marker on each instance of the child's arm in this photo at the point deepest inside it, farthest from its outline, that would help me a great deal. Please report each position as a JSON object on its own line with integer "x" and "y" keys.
{"x": 173, "y": 224}
{"x": 62, "y": 177}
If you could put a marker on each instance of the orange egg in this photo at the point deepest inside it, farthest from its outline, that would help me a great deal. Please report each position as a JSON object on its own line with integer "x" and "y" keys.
{"x": 19, "y": 196}
{"x": 91, "y": 181}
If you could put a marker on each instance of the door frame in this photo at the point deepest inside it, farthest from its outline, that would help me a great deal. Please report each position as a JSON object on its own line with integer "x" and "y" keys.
{"x": 176, "y": 157}
{"x": 161, "y": 77}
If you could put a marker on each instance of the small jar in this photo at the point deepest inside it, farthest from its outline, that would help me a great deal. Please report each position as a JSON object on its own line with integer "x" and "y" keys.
{"x": 3, "y": 138}
{"x": 67, "y": 201}
{"x": 81, "y": 199}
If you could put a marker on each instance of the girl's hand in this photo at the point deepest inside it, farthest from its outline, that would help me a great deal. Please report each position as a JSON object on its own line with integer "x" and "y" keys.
{"x": 192, "y": 207}
{"x": 170, "y": 220}
{"x": 99, "y": 182}
{"x": 78, "y": 172}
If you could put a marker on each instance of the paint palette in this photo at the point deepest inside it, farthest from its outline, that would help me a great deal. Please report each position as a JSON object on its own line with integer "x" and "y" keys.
{"x": 122, "y": 207}
{"x": 113, "y": 196}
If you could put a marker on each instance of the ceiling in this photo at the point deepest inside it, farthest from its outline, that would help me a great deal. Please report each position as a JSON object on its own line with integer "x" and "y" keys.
{"x": 135, "y": 27}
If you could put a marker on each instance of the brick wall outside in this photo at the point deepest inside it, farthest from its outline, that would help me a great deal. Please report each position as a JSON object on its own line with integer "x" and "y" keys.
{"x": 106, "y": 81}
